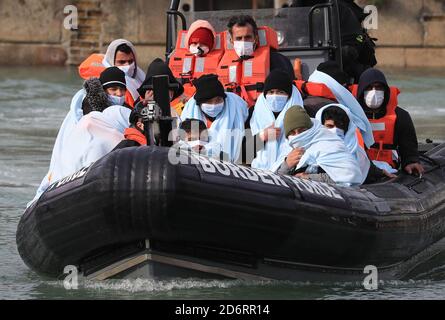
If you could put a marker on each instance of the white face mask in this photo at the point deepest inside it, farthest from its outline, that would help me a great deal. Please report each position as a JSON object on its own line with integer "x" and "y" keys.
{"x": 128, "y": 70}
{"x": 243, "y": 48}
{"x": 212, "y": 110}
{"x": 276, "y": 102}
{"x": 374, "y": 98}
{"x": 116, "y": 101}
{"x": 199, "y": 50}
{"x": 338, "y": 132}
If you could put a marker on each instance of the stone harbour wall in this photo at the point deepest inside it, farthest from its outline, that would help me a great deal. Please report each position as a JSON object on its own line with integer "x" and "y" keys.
{"x": 411, "y": 33}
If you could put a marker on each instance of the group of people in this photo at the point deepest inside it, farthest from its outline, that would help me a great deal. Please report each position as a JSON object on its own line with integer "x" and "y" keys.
{"x": 237, "y": 97}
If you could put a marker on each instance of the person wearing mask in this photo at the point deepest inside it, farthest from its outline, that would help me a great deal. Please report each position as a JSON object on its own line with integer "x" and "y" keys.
{"x": 194, "y": 137}
{"x": 247, "y": 61}
{"x": 267, "y": 120}
{"x": 120, "y": 53}
{"x": 394, "y": 133}
{"x": 223, "y": 113}
{"x": 317, "y": 154}
{"x": 201, "y": 38}
{"x": 109, "y": 90}
{"x": 198, "y": 52}
{"x": 339, "y": 120}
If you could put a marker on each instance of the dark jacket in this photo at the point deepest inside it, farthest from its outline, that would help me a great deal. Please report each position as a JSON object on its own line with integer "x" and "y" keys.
{"x": 358, "y": 49}
{"x": 405, "y": 138}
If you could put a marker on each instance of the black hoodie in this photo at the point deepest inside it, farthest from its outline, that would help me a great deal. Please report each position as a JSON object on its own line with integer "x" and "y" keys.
{"x": 405, "y": 138}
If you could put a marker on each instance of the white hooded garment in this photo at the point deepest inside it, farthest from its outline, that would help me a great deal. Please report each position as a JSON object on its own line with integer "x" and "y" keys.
{"x": 94, "y": 136}
{"x": 134, "y": 80}
{"x": 351, "y": 139}
{"x": 91, "y": 138}
{"x": 326, "y": 150}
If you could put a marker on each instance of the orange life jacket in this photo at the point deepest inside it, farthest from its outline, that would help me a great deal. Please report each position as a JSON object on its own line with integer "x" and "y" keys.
{"x": 92, "y": 67}
{"x": 135, "y": 135}
{"x": 298, "y": 69}
{"x": 187, "y": 67}
{"x": 246, "y": 77}
{"x": 360, "y": 139}
{"x": 315, "y": 89}
{"x": 383, "y": 130}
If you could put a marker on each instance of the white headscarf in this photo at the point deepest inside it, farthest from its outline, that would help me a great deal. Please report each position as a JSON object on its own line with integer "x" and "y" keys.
{"x": 135, "y": 80}
{"x": 228, "y": 129}
{"x": 93, "y": 137}
{"x": 351, "y": 140}
{"x": 348, "y": 100}
{"x": 326, "y": 150}
{"x": 262, "y": 118}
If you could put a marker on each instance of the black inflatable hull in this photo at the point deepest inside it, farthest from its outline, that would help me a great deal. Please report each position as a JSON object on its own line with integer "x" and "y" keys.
{"x": 203, "y": 208}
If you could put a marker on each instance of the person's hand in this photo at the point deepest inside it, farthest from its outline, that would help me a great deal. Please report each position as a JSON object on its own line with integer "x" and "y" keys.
{"x": 270, "y": 134}
{"x": 199, "y": 149}
{"x": 389, "y": 175}
{"x": 415, "y": 167}
{"x": 302, "y": 175}
{"x": 149, "y": 96}
{"x": 293, "y": 159}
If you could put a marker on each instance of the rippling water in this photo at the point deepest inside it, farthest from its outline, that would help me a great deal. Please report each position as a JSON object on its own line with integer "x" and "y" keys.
{"x": 33, "y": 103}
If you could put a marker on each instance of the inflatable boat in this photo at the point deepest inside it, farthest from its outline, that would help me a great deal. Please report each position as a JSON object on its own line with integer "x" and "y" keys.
{"x": 154, "y": 212}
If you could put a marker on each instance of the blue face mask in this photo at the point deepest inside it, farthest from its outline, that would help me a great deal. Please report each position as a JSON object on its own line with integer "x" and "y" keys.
{"x": 212, "y": 110}
{"x": 276, "y": 102}
{"x": 116, "y": 101}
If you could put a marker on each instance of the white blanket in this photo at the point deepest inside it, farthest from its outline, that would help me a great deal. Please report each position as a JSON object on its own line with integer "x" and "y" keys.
{"x": 326, "y": 150}
{"x": 71, "y": 120}
{"x": 93, "y": 137}
{"x": 346, "y": 98}
{"x": 351, "y": 140}
{"x": 263, "y": 118}
{"x": 228, "y": 128}
{"x": 69, "y": 124}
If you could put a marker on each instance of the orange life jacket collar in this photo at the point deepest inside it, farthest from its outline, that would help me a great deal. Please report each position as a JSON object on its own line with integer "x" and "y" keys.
{"x": 135, "y": 135}
{"x": 315, "y": 89}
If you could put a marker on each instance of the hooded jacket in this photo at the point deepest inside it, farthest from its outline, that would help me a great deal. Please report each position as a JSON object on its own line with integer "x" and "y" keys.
{"x": 405, "y": 138}
{"x": 201, "y": 24}
{"x": 133, "y": 80}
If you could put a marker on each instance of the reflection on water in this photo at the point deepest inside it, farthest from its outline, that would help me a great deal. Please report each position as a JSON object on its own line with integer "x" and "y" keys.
{"x": 33, "y": 103}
